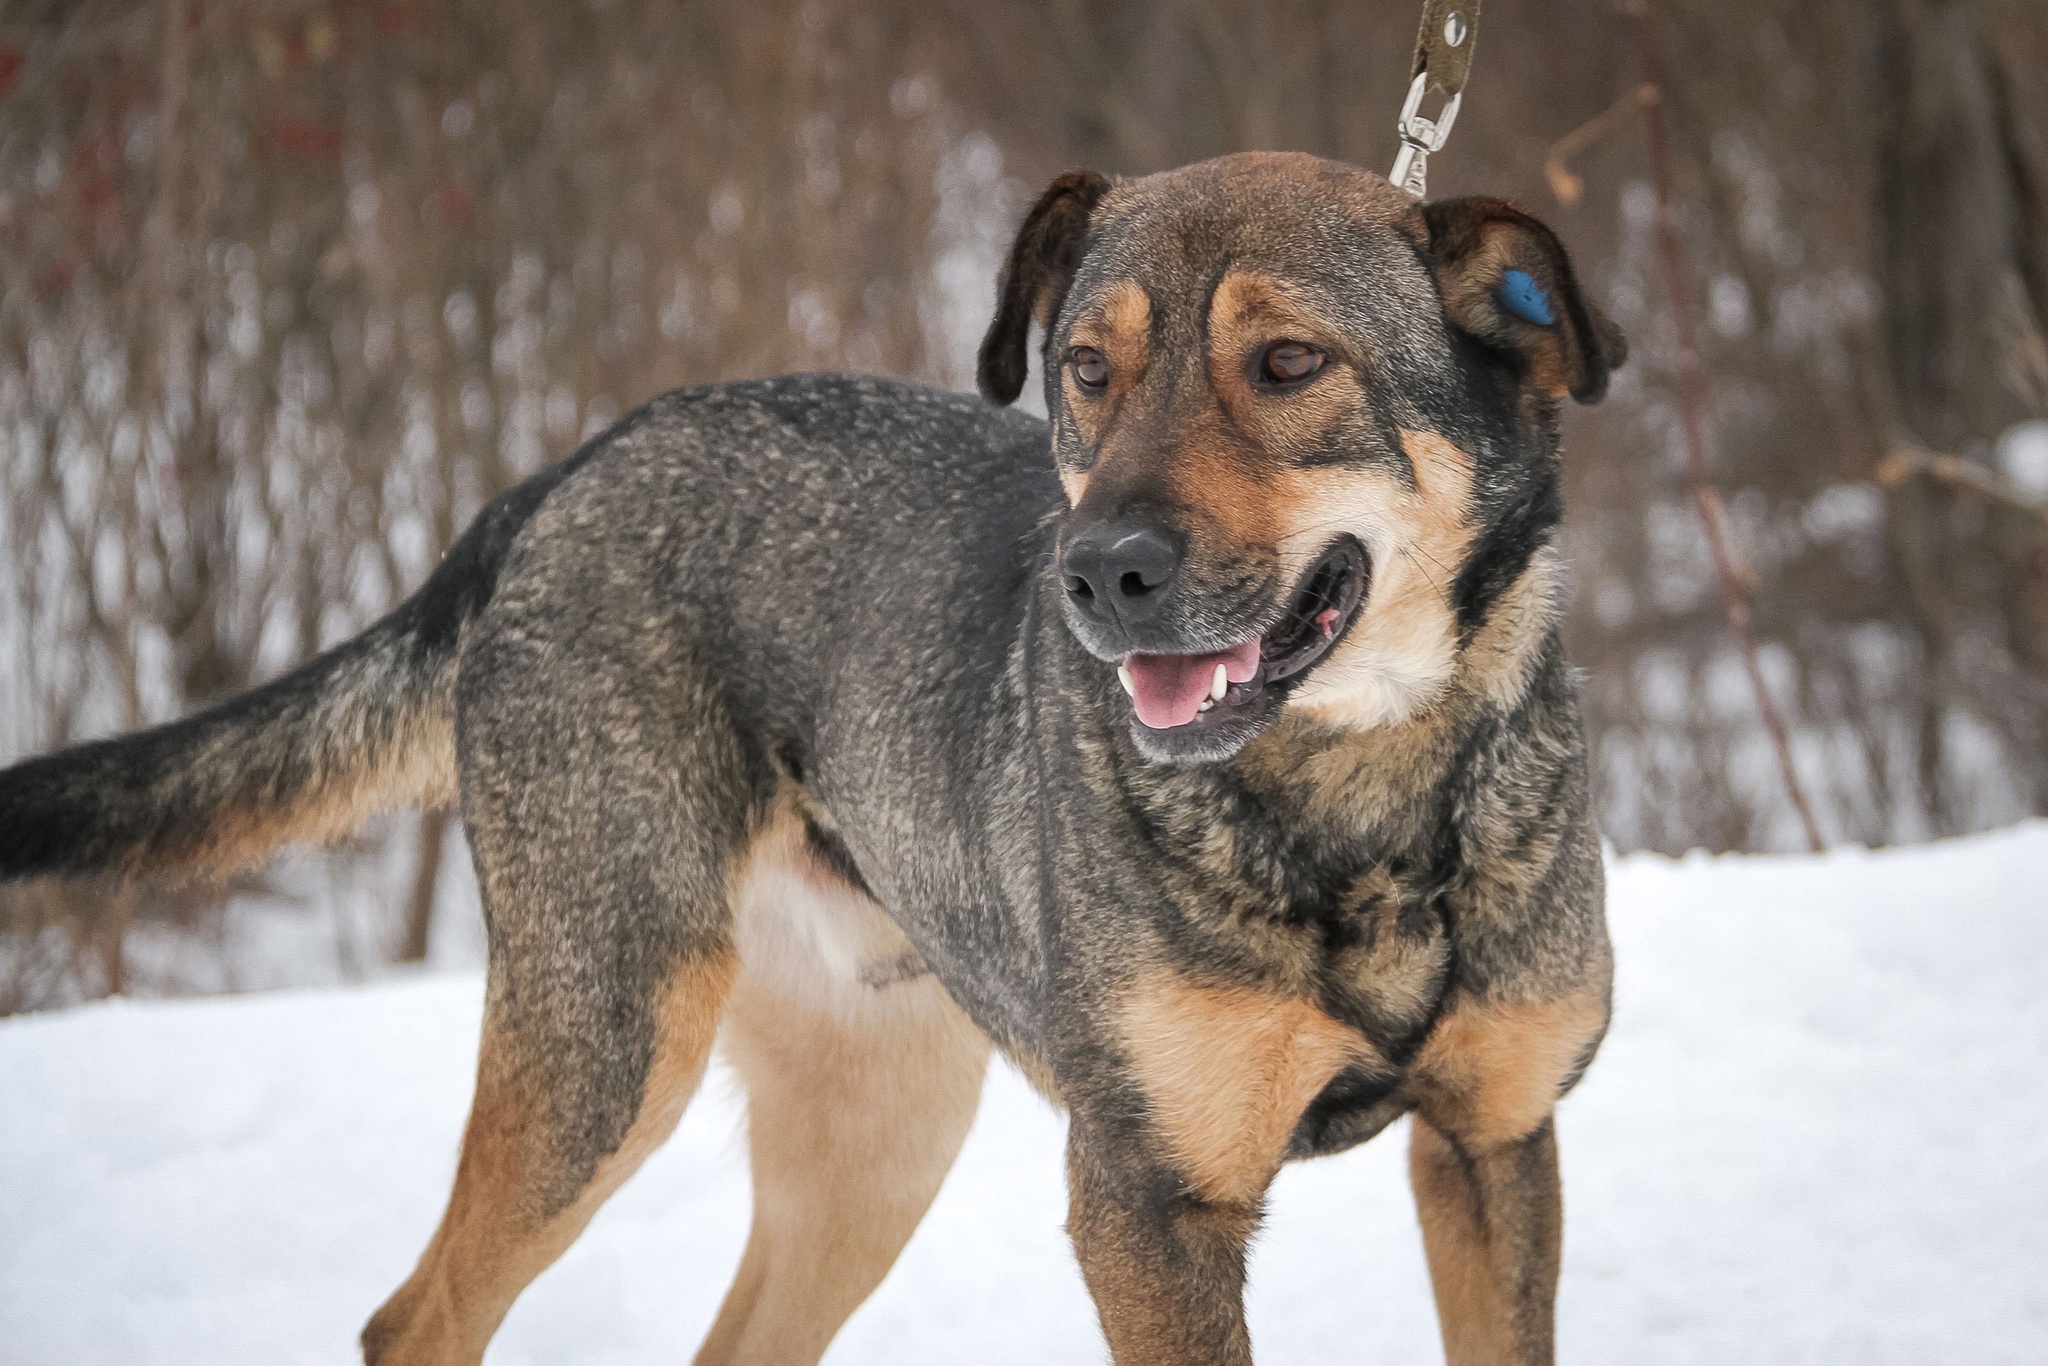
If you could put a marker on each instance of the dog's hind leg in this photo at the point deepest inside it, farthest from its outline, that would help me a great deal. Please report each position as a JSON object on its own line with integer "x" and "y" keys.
{"x": 862, "y": 1077}
{"x": 604, "y": 821}
{"x": 525, "y": 1185}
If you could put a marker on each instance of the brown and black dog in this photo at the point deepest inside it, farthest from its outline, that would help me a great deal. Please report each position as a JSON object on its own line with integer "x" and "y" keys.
{"x": 1223, "y": 770}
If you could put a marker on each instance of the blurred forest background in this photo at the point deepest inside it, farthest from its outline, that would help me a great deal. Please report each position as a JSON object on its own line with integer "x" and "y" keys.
{"x": 289, "y": 289}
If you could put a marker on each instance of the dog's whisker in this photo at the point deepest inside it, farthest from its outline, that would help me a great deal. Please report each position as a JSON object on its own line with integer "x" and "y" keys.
{"x": 1416, "y": 556}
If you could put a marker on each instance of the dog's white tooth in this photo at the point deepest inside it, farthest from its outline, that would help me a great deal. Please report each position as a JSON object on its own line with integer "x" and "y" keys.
{"x": 1206, "y": 704}
{"x": 1220, "y": 685}
{"x": 1123, "y": 676}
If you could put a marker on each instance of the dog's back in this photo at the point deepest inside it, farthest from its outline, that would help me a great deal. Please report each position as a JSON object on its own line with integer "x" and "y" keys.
{"x": 847, "y": 539}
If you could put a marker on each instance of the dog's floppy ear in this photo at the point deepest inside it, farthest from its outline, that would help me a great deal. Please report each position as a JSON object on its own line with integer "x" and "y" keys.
{"x": 1506, "y": 280}
{"x": 1035, "y": 279}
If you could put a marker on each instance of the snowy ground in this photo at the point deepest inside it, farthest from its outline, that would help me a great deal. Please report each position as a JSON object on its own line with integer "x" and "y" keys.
{"x": 1818, "y": 1133}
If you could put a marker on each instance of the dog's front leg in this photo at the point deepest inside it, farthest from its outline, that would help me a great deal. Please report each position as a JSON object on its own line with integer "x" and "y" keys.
{"x": 1171, "y": 1150}
{"x": 1165, "y": 1265}
{"x": 1493, "y": 1226}
{"x": 1483, "y": 1162}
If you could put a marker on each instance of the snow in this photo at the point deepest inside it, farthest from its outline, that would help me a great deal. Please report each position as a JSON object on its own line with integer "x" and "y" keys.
{"x": 1814, "y": 1135}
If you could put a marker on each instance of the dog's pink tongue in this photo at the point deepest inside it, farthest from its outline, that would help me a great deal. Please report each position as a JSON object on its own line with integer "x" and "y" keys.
{"x": 1167, "y": 690}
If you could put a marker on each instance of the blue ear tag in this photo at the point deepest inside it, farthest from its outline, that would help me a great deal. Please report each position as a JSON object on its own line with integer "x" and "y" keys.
{"x": 1520, "y": 295}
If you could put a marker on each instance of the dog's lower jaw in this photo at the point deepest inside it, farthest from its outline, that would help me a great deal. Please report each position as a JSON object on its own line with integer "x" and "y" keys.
{"x": 1191, "y": 745}
{"x": 1377, "y": 702}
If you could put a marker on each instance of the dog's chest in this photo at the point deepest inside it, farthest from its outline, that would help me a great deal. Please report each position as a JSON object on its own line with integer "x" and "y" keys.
{"x": 1383, "y": 966}
{"x": 1359, "y": 930}
{"x": 1351, "y": 968}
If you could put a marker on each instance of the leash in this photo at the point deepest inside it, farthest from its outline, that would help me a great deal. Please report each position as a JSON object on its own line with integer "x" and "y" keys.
{"x": 1443, "y": 58}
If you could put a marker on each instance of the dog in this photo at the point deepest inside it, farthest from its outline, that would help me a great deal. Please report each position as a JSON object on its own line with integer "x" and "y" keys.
{"x": 1207, "y": 749}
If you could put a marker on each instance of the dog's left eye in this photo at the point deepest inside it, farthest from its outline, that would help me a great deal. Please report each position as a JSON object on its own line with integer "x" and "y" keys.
{"x": 1289, "y": 362}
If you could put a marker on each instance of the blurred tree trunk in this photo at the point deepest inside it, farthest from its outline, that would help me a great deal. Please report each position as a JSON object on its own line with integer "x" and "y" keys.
{"x": 1963, "y": 218}
{"x": 419, "y": 913}
{"x": 1962, "y": 256}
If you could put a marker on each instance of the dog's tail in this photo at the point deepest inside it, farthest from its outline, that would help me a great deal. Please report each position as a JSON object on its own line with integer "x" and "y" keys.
{"x": 365, "y": 727}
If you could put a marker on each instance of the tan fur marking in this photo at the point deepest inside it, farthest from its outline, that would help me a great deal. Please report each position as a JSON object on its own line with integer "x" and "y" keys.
{"x": 1249, "y": 311}
{"x": 1212, "y": 475}
{"x": 794, "y": 912}
{"x": 489, "y": 1245}
{"x": 1468, "y": 294}
{"x": 347, "y": 789}
{"x": 1475, "y": 1318}
{"x": 858, "y": 1099}
{"x": 1119, "y": 325}
{"x": 1404, "y": 647}
{"x": 1228, "y": 1072}
{"x": 1126, "y": 316}
{"x": 1490, "y": 1073}
{"x": 1368, "y": 777}
{"x": 1504, "y": 652}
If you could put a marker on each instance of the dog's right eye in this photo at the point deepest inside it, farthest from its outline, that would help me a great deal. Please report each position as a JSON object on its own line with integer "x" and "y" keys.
{"x": 1091, "y": 368}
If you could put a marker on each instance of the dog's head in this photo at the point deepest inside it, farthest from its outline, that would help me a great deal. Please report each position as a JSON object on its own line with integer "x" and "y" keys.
{"x": 1307, "y": 431}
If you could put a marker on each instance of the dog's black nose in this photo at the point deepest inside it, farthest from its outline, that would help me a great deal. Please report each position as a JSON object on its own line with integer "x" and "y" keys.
{"x": 1120, "y": 570}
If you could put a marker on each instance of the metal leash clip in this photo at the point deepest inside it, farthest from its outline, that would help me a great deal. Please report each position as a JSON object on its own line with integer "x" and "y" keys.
{"x": 1443, "y": 59}
{"x": 1420, "y": 136}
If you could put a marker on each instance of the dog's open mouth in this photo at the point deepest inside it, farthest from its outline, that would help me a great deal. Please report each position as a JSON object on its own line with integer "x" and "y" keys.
{"x": 1171, "y": 691}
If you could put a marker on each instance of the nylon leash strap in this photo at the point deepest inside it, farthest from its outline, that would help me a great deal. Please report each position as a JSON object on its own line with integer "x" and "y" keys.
{"x": 1443, "y": 58}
